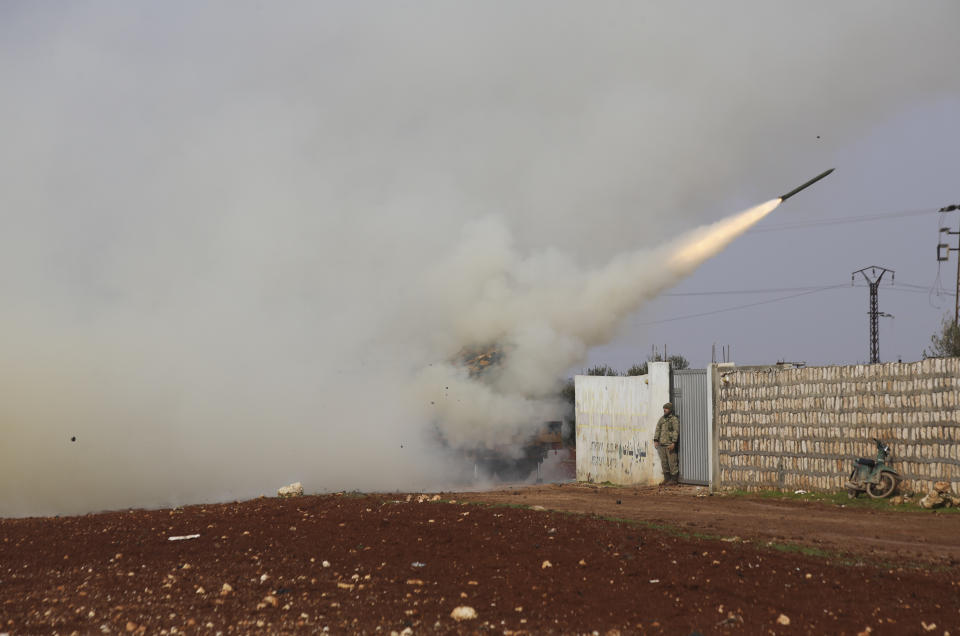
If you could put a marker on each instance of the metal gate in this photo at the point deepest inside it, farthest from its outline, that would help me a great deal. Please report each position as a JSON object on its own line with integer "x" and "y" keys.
{"x": 688, "y": 388}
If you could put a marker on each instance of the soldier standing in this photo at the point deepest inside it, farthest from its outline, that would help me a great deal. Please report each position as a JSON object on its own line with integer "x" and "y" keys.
{"x": 665, "y": 441}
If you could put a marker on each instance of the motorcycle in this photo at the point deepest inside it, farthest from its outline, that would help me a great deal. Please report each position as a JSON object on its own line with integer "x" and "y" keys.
{"x": 873, "y": 476}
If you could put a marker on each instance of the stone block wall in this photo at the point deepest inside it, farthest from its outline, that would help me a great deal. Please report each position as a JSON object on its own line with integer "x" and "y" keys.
{"x": 804, "y": 428}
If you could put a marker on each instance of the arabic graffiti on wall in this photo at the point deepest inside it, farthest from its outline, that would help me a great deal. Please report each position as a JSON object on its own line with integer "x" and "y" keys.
{"x": 616, "y": 419}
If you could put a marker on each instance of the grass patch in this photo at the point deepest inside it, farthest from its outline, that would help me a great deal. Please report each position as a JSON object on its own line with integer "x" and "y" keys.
{"x": 518, "y": 506}
{"x": 841, "y": 499}
{"x": 795, "y": 548}
{"x": 665, "y": 528}
{"x": 834, "y": 557}
{"x": 490, "y": 504}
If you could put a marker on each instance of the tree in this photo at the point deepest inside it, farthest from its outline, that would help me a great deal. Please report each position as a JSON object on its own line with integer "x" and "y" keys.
{"x": 568, "y": 392}
{"x": 945, "y": 343}
{"x": 676, "y": 362}
{"x": 602, "y": 369}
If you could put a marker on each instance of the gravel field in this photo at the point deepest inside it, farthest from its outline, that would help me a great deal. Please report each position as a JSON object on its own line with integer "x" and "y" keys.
{"x": 383, "y": 563}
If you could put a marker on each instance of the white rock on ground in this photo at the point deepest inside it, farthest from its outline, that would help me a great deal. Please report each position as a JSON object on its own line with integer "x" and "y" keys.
{"x": 932, "y": 500}
{"x": 463, "y": 613}
{"x": 293, "y": 490}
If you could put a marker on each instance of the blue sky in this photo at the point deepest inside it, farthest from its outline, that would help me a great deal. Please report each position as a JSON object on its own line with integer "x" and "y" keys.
{"x": 906, "y": 163}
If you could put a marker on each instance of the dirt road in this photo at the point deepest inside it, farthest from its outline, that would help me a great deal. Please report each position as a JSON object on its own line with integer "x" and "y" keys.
{"x": 894, "y": 534}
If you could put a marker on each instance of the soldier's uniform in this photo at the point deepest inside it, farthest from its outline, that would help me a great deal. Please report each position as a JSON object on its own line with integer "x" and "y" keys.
{"x": 667, "y": 433}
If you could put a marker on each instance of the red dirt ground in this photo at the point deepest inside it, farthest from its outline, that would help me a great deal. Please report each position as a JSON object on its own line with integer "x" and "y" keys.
{"x": 907, "y": 534}
{"x": 398, "y": 565}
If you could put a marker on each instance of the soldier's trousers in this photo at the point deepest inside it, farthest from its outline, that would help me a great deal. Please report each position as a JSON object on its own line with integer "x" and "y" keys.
{"x": 669, "y": 460}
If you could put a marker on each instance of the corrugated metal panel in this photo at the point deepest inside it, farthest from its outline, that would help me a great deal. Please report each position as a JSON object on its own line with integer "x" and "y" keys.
{"x": 690, "y": 402}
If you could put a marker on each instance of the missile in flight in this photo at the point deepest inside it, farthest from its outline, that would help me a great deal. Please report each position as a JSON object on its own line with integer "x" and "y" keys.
{"x": 784, "y": 197}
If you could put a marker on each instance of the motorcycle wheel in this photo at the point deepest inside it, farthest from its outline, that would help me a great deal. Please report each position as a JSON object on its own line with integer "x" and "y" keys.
{"x": 852, "y": 494}
{"x": 882, "y": 488}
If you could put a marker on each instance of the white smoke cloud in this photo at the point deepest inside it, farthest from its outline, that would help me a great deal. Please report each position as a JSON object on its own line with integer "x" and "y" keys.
{"x": 240, "y": 245}
{"x": 544, "y": 315}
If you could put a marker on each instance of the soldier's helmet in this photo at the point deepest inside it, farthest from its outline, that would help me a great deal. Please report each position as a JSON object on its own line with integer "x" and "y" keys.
{"x": 668, "y": 405}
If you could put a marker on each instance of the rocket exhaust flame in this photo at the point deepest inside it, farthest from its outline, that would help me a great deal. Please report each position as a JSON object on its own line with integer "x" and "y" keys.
{"x": 694, "y": 248}
{"x": 706, "y": 242}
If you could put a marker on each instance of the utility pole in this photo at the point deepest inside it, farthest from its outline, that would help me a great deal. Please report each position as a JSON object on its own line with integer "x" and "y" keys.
{"x": 873, "y": 280}
{"x": 943, "y": 254}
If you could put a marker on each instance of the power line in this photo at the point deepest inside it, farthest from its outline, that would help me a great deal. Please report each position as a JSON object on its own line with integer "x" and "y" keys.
{"x": 779, "y": 290}
{"x": 802, "y": 291}
{"x": 841, "y": 221}
{"x": 761, "y": 302}
{"x": 769, "y": 290}
{"x": 911, "y": 291}
{"x": 913, "y": 286}
{"x": 909, "y": 287}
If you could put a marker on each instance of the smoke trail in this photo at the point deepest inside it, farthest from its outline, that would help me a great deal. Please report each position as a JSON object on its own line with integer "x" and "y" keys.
{"x": 544, "y": 315}
{"x": 153, "y": 395}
